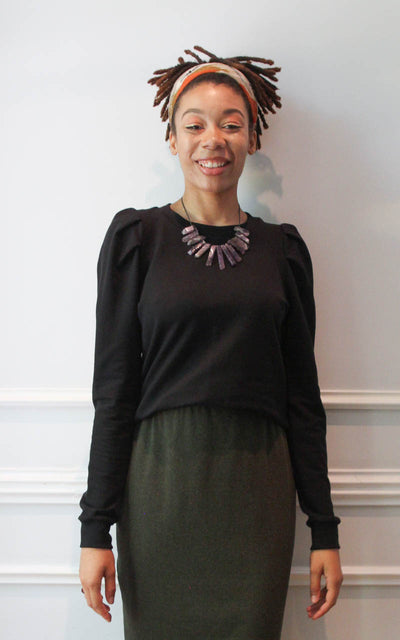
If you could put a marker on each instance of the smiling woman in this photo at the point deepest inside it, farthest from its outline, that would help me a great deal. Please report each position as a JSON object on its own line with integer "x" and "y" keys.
{"x": 208, "y": 415}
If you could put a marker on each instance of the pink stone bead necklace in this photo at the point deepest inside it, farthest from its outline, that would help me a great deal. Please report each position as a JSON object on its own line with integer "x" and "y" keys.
{"x": 233, "y": 249}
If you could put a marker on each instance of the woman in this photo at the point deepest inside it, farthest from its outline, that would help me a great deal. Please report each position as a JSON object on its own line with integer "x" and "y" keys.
{"x": 208, "y": 414}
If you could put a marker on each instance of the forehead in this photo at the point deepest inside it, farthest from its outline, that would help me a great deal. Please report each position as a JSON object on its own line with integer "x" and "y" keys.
{"x": 207, "y": 96}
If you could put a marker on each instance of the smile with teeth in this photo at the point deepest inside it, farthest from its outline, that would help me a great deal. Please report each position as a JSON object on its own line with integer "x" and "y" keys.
{"x": 212, "y": 164}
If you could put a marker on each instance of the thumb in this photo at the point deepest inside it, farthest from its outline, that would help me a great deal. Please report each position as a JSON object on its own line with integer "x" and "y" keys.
{"x": 109, "y": 580}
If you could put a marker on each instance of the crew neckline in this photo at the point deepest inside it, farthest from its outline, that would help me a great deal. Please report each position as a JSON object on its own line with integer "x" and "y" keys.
{"x": 185, "y": 222}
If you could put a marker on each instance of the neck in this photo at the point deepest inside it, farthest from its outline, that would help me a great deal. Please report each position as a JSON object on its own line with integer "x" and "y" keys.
{"x": 211, "y": 208}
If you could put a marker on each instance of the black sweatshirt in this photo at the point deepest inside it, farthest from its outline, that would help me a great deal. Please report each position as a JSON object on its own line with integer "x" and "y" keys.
{"x": 171, "y": 331}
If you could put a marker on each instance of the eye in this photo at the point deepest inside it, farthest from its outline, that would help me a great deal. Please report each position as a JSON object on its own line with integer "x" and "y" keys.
{"x": 193, "y": 127}
{"x": 231, "y": 126}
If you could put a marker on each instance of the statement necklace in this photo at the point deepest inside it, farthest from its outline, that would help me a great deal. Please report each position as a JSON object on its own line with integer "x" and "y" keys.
{"x": 232, "y": 249}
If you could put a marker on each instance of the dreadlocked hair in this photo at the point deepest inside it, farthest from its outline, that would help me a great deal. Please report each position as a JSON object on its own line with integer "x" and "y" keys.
{"x": 261, "y": 80}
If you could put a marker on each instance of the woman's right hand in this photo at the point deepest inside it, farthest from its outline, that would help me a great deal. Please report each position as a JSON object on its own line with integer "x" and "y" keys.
{"x": 95, "y": 565}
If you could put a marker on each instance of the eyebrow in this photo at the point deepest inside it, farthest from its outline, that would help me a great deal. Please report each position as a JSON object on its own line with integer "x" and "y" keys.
{"x": 226, "y": 112}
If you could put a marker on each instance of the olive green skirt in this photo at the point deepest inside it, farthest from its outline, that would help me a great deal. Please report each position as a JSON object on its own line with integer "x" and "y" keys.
{"x": 205, "y": 540}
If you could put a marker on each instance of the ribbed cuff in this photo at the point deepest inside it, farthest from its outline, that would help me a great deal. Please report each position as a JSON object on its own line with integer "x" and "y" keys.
{"x": 95, "y": 535}
{"x": 324, "y": 535}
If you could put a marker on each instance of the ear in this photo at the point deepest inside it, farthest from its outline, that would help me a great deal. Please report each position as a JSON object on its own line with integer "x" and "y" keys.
{"x": 252, "y": 142}
{"x": 172, "y": 144}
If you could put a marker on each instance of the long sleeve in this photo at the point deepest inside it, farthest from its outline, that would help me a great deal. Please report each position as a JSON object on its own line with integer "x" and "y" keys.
{"x": 116, "y": 378}
{"x": 306, "y": 414}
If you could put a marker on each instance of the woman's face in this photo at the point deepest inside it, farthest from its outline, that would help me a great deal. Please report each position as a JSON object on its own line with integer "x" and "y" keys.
{"x": 212, "y": 137}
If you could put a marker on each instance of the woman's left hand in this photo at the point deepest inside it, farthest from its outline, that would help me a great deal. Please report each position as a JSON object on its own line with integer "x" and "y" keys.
{"x": 324, "y": 562}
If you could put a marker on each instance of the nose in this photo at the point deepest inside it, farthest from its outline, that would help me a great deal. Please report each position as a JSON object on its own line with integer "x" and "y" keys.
{"x": 213, "y": 137}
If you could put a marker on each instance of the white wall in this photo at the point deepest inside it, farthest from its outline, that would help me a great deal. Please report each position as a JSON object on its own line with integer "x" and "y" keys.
{"x": 81, "y": 141}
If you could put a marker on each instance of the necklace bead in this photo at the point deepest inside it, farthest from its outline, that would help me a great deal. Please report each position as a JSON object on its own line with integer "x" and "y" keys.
{"x": 232, "y": 248}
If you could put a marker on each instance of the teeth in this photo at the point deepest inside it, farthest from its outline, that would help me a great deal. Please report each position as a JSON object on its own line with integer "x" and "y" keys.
{"x": 209, "y": 164}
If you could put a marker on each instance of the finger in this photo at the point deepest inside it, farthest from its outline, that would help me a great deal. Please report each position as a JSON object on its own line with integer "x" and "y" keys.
{"x": 315, "y": 586}
{"x": 316, "y": 605}
{"x": 94, "y": 600}
{"x": 85, "y": 592}
{"x": 329, "y": 602}
{"x": 98, "y": 605}
{"x": 110, "y": 586}
{"x": 320, "y": 612}
{"x": 330, "y": 595}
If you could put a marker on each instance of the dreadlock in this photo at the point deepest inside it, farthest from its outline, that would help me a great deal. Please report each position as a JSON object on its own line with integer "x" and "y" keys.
{"x": 260, "y": 79}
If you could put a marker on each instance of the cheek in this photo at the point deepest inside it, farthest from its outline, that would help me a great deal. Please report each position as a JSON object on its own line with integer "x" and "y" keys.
{"x": 185, "y": 161}
{"x": 243, "y": 152}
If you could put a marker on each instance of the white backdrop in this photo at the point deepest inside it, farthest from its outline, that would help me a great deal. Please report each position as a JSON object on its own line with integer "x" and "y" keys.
{"x": 80, "y": 141}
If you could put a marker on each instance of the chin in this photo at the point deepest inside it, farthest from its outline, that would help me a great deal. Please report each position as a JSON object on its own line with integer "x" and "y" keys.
{"x": 217, "y": 188}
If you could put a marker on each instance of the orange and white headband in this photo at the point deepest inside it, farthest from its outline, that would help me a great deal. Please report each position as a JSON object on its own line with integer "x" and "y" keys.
{"x": 212, "y": 67}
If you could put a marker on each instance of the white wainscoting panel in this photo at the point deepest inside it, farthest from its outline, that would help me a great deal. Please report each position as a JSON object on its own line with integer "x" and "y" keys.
{"x": 40, "y": 488}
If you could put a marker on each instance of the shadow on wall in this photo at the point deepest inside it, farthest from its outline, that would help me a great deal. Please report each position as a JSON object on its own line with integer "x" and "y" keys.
{"x": 259, "y": 177}
{"x": 341, "y": 192}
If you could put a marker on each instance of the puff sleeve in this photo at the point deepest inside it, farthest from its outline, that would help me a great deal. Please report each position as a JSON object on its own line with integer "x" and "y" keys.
{"x": 306, "y": 414}
{"x": 116, "y": 378}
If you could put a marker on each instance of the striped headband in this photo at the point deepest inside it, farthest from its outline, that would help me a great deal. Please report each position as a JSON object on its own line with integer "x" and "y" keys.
{"x": 212, "y": 67}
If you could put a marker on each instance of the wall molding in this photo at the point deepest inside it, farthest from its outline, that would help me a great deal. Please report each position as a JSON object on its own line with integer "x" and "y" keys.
{"x": 45, "y": 397}
{"x": 349, "y": 487}
{"x": 336, "y": 399}
{"x": 354, "y": 576}
{"x": 359, "y": 576}
{"x": 333, "y": 399}
{"x": 365, "y": 487}
{"x": 41, "y": 486}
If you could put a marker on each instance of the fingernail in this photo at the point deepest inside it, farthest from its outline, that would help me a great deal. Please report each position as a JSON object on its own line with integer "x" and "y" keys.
{"x": 314, "y": 599}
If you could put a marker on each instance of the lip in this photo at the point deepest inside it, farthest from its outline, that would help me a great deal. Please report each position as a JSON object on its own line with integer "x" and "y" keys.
{"x": 213, "y": 171}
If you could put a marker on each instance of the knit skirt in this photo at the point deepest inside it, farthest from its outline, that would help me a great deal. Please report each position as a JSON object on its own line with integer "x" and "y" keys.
{"x": 205, "y": 539}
